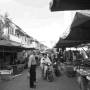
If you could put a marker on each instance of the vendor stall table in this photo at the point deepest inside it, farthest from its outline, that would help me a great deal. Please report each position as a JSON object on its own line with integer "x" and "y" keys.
{"x": 84, "y": 78}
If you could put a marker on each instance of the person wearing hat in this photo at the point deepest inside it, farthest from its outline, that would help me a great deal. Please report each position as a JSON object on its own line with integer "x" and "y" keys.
{"x": 44, "y": 59}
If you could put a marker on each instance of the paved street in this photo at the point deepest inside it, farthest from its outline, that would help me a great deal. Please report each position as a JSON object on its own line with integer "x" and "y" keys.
{"x": 22, "y": 83}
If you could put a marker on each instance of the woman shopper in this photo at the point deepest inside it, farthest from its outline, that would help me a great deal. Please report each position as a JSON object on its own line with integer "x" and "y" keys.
{"x": 32, "y": 69}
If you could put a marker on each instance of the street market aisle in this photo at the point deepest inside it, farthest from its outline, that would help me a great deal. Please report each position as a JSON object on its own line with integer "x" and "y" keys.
{"x": 22, "y": 83}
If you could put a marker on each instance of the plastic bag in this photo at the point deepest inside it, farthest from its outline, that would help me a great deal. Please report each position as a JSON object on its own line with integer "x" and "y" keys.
{"x": 28, "y": 75}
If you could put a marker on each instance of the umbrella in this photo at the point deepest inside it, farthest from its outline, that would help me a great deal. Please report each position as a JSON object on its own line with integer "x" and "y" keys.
{"x": 61, "y": 5}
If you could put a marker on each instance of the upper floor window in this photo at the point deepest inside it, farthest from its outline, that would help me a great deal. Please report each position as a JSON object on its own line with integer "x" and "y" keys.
{"x": 11, "y": 30}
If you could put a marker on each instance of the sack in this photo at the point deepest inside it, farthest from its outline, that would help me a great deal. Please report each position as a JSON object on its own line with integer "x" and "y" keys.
{"x": 28, "y": 75}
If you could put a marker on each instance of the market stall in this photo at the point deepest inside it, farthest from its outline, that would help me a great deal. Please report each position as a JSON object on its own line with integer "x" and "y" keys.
{"x": 10, "y": 65}
{"x": 79, "y": 34}
{"x": 83, "y": 75}
{"x": 80, "y": 31}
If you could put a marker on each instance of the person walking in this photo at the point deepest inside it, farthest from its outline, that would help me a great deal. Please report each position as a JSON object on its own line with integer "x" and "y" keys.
{"x": 44, "y": 60}
{"x": 32, "y": 69}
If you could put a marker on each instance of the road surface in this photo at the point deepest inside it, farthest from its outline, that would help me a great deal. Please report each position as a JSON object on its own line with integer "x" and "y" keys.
{"x": 22, "y": 83}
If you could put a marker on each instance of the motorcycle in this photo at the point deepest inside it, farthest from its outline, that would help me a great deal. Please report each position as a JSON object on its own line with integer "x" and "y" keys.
{"x": 49, "y": 73}
{"x": 56, "y": 69}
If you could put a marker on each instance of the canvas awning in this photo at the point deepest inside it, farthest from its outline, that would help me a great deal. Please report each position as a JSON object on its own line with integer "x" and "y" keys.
{"x": 79, "y": 32}
{"x": 9, "y": 43}
{"x": 67, "y": 43}
{"x": 80, "y": 28}
{"x": 62, "y": 5}
{"x": 9, "y": 46}
{"x": 80, "y": 18}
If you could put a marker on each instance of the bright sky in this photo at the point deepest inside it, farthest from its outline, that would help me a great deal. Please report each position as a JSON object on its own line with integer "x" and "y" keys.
{"x": 36, "y": 19}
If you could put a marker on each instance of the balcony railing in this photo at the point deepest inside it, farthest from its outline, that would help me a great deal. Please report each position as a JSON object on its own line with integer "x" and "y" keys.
{"x": 14, "y": 38}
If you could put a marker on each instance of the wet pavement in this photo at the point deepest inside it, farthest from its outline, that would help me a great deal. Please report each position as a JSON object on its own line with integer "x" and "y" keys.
{"x": 22, "y": 83}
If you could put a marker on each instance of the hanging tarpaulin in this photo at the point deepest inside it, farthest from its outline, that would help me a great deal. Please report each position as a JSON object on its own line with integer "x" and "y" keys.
{"x": 80, "y": 28}
{"x": 62, "y": 5}
{"x": 67, "y": 43}
{"x": 8, "y": 43}
{"x": 80, "y": 18}
{"x": 79, "y": 31}
{"x": 10, "y": 46}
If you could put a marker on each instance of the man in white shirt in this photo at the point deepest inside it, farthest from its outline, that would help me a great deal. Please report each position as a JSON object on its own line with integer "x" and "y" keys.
{"x": 32, "y": 69}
